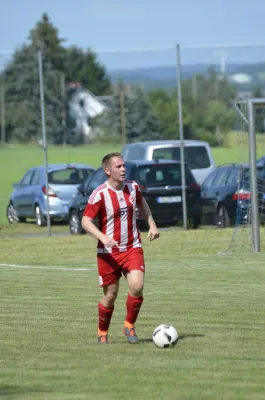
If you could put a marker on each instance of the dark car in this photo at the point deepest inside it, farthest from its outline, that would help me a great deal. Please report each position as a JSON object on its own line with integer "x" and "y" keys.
{"x": 160, "y": 185}
{"x": 226, "y": 195}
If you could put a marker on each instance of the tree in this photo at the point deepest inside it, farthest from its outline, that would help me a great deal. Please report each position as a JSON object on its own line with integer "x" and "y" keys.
{"x": 23, "y": 96}
{"x": 46, "y": 37}
{"x": 165, "y": 106}
{"x": 82, "y": 66}
{"x": 141, "y": 123}
{"x": 60, "y": 66}
{"x": 259, "y": 113}
{"x": 206, "y": 107}
{"x": 218, "y": 118}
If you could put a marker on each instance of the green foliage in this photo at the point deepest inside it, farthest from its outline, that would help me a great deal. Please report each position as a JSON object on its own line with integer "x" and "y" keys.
{"x": 260, "y": 114}
{"x": 82, "y": 66}
{"x": 61, "y": 65}
{"x": 206, "y": 108}
{"x": 141, "y": 123}
{"x": 166, "y": 108}
{"x": 23, "y": 96}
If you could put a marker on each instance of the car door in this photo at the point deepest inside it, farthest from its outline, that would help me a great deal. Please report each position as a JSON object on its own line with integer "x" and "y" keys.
{"x": 33, "y": 191}
{"x": 215, "y": 193}
{"x": 232, "y": 185}
{"x": 21, "y": 200}
{"x": 206, "y": 193}
{"x": 97, "y": 179}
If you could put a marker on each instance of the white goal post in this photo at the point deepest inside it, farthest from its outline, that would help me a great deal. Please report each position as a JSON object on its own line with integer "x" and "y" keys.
{"x": 251, "y": 105}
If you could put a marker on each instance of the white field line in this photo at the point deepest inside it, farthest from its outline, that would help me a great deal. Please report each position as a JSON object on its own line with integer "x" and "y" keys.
{"x": 163, "y": 265}
{"x": 47, "y": 267}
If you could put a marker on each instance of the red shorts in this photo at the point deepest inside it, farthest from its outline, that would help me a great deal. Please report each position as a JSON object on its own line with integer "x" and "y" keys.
{"x": 112, "y": 266}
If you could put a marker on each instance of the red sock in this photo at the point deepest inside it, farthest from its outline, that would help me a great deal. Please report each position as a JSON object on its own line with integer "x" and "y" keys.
{"x": 133, "y": 305}
{"x": 104, "y": 317}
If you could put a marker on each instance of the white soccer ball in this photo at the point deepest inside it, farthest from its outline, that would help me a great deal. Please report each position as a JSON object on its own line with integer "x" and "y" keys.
{"x": 165, "y": 336}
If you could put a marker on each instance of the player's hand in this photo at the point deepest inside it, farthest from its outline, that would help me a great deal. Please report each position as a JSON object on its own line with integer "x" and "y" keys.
{"x": 109, "y": 242}
{"x": 153, "y": 233}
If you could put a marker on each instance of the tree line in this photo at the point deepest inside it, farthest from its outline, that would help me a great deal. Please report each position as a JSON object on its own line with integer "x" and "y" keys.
{"x": 133, "y": 114}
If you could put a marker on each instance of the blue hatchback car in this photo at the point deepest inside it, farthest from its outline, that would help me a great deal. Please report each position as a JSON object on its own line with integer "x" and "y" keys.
{"x": 28, "y": 199}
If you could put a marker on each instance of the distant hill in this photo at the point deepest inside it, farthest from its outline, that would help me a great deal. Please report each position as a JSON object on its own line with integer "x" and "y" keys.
{"x": 245, "y": 76}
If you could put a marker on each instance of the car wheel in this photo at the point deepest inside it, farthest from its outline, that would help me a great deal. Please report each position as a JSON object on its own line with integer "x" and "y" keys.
{"x": 40, "y": 220}
{"x": 223, "y": 220}
{"x": 75, "y": 224}
{"x": 11, "y": 214}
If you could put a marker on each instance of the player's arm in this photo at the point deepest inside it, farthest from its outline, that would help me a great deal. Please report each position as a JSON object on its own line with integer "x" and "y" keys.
{"x": 146, "y": 213}
{"x": 89, "y": 226}
{"x": 92, "y": 210}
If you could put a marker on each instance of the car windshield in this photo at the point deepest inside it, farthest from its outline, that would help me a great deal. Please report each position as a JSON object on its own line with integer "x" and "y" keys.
{"x": 196, "y": 156}
{"x": 69, "y": 176}
{"x": 162, "y": 174}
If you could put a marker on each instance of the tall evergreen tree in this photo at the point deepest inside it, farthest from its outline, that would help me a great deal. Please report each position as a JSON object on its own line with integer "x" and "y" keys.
{"x": 60, "y": 66}
{"x": 141, "y": 123}
{"x": 82, "y": 66}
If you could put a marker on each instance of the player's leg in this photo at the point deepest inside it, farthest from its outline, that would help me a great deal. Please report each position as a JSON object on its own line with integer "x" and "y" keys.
{"x": 109, "y": 275}
{"x": 135, "y": 279}
{"x": 105, "y": 310}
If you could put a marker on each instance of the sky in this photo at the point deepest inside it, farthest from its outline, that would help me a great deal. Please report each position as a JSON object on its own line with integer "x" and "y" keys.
{"x": 106, "y": 25}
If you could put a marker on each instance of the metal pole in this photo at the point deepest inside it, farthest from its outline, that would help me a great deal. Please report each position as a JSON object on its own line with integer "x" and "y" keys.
{"x": 3, "y": 114}
{"x": 44, "y": 139}
{"x": 181, "y": 136}
{"x": 63, "y": 113}
{"x": 253, "y": 174}
{"x": 122, "y": 114}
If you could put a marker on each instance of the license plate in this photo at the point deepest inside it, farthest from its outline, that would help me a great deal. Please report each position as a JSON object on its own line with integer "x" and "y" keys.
{"x": 169, "y": 199}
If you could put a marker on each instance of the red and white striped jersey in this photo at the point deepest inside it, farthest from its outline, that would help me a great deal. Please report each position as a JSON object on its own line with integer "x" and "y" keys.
{"x": 116, "y": 212}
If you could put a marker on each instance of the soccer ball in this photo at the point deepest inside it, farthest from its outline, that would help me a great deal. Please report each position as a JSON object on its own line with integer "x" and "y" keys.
{"x": 165, "y": 336}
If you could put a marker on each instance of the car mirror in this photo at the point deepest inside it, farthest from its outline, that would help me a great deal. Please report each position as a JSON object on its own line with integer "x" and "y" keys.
{"x": 81, "y": 188}
{"x": 15, "y": 185}
{"x": 88, "y": 191}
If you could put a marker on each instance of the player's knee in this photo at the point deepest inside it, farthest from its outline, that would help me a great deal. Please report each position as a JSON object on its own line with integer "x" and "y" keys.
{"x": 110, "y": 297}
{"x": 136, "y": 288}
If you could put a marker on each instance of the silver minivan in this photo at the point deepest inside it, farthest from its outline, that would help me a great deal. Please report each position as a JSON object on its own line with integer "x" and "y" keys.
{"x": 197, "y": 153}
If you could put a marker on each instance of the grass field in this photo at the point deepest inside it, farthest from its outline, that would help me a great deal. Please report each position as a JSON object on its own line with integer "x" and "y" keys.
{"x": 15, "y": 161}
{"x": 49, "y": 296}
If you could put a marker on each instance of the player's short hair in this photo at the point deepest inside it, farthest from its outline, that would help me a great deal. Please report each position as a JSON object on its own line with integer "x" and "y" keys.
{"x": 106, "y": 160}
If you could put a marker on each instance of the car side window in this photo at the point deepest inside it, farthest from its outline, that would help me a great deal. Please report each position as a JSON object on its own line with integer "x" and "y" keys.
{"x": 221, "y": 177}
{"x": 233, "y": 177}
{"x": 35, "y": 180}
{"x": 208, "y": 183}
{"x": 25, "y": 181}
{"x": 98, "y": 178}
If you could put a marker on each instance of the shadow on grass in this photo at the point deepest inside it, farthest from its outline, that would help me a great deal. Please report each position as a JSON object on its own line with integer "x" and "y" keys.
{"x": 13, "y": 391}
{"x": 181, "y": 337}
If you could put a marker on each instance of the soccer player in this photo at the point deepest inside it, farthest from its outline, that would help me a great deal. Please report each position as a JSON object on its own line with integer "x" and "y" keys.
{"x": 119, "y": 249}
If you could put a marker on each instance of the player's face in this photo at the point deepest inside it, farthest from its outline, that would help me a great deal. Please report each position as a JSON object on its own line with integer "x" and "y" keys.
{"x": 117, "y": 169}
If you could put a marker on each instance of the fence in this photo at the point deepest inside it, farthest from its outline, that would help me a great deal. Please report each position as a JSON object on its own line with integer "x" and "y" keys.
{"x": 212, "y": 79}
{"x": 143, "y": 103}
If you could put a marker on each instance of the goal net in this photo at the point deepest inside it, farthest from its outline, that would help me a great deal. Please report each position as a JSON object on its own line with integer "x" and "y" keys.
{"x": 250, "y": 196}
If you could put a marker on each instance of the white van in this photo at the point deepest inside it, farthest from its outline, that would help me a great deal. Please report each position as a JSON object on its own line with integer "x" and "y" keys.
{"x": 197, "y": 154}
